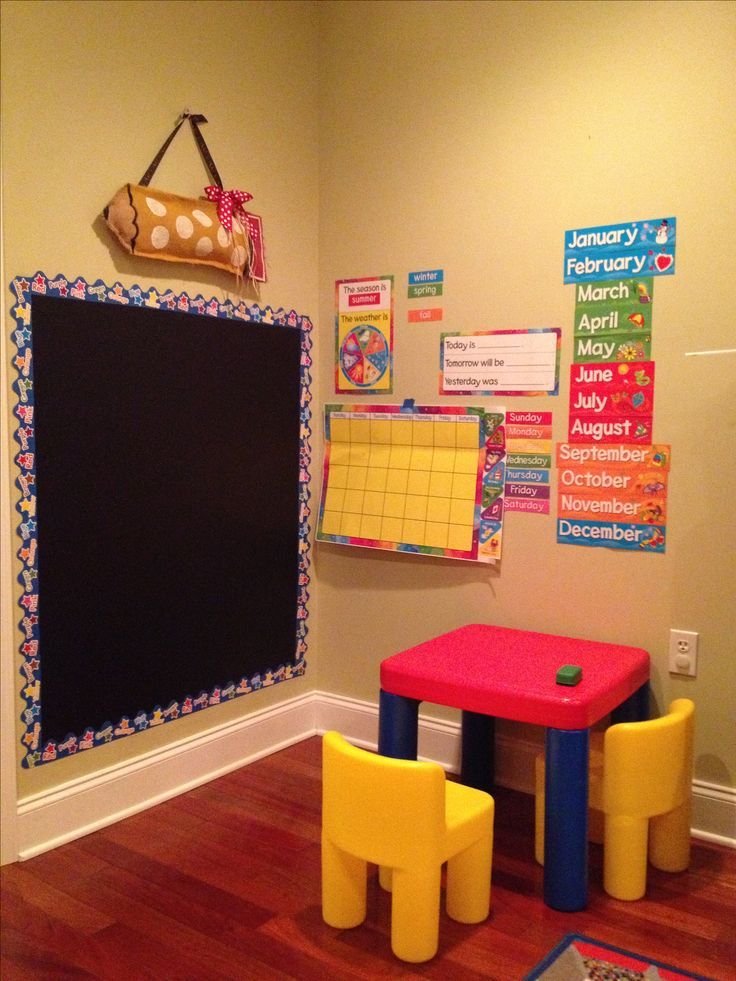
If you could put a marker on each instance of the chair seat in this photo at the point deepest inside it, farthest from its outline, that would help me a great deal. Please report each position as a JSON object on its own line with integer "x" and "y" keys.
{"x": 466, "y": 813}
{"x": 405, "y": 817}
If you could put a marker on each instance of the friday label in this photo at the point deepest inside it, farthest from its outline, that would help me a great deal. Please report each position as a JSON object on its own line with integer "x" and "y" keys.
{"x": 529, "y": 443}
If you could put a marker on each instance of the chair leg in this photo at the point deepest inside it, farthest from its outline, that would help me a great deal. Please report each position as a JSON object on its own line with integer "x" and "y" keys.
{"x": 669, "y": 839}
{"x": 415, "y": 913}
{"x": 468, "y": 897}
{"x": 344, "y": 887}
{"x": 625, "y": 856}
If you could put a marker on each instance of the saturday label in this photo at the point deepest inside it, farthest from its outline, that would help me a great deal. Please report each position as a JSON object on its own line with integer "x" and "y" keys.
{"x": 528, "y": 461}
{"x": 635, "y": 248}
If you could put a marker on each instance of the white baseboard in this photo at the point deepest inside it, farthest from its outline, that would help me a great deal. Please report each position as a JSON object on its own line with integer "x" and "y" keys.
{"x": 84, "y": 805}
{"x": 77, "y": 808}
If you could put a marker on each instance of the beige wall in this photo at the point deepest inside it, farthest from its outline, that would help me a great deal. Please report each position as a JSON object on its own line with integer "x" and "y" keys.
{"x": 466, "y": 136}
{"x": 90, "y": 91}
{"x": 469, "y": 137}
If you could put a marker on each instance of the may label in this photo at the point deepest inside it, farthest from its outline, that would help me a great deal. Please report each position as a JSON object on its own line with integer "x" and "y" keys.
{"x": 613, "y": 320}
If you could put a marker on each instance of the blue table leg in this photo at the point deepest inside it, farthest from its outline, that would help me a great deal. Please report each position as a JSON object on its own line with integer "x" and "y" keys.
{"x": 478, "y": 759}
{"x": 635, "y": 708}
{"x": 398, "y": 722}
{"x": 566, "y": 820}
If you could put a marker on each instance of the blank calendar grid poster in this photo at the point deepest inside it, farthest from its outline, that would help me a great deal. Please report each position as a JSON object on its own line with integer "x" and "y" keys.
{"x": 409, "y": 481}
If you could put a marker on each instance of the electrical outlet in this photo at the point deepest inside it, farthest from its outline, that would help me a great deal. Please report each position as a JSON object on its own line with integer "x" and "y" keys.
{"x": 683, "y": 652}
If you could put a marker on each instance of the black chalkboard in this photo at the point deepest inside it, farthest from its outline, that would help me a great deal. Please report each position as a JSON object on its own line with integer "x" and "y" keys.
{"x": 167, "y": 481}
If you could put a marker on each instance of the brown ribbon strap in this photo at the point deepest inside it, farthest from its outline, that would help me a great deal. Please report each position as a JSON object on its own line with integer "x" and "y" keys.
{"x": 194, "y": 119}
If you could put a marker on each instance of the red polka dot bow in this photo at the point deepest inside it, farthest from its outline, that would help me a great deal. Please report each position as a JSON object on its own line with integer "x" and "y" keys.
{"x": 229, "y": 203}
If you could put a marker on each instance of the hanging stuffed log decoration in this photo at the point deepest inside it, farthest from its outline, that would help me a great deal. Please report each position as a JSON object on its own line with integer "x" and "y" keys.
{"x": 215, "y": 230}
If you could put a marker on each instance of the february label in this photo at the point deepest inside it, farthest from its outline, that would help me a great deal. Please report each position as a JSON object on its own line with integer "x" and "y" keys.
{"x": 633, "y": 248}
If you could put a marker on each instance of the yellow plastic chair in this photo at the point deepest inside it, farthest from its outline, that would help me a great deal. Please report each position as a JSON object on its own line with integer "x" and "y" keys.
{"x": 402, "y": 815}
{"x": 642, "y": 783}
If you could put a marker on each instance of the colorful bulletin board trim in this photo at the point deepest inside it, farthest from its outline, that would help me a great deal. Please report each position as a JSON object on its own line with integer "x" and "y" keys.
{"x": 364, "y": 335}
{"x": 31, "y": 624}
{"x": 613, "y": 321}
{"x": 613, "y": 496}
{"x": 501, "y": 362}
{"x": 528, "y": 461}
{"x": 631, "y": 248}
{"x": 421, "y": 479}
{"x": 611, "y": 403}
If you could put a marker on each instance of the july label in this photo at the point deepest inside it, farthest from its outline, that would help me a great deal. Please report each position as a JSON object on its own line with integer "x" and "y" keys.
{"x": 611, "y": 403}
{"x": 635, "y": 248}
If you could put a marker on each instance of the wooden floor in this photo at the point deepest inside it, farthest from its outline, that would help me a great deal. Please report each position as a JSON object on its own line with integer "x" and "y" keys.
{"x": 224, "y": 882}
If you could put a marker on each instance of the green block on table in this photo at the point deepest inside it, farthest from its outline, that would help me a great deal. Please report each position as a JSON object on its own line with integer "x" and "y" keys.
{"x": 569, "y": 674}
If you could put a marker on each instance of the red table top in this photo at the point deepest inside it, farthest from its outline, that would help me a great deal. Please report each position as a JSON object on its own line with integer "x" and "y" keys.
{"x": 511, "y": 674}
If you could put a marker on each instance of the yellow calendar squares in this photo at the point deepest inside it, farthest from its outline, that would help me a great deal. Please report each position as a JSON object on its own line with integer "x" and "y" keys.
{"x": 405, "y": 480}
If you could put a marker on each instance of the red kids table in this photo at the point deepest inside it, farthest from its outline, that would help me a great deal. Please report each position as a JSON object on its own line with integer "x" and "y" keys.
{"x": 491, "y": 672}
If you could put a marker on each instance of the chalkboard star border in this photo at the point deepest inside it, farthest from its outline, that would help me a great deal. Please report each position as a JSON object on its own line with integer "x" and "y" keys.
{"x": 38, "y": 750}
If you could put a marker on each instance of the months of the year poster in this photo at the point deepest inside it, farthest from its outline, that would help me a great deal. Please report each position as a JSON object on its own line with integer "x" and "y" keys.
{"x": 421, "y": 479}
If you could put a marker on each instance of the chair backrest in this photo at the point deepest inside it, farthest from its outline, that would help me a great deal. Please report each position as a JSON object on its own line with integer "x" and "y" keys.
{"x": 387, "y": 811}
{"x": 648, "y": 765}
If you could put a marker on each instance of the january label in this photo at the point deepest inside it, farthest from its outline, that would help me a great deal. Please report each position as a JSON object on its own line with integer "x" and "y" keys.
{"x": 634, "y": 248}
